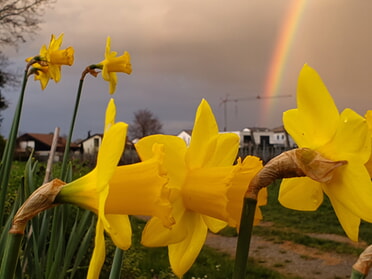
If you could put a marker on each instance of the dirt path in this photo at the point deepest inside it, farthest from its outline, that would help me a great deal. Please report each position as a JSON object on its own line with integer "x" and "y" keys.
{"x": 292, "y": 259}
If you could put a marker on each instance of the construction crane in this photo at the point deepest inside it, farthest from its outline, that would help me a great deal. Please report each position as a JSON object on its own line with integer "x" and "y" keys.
{"x": 227, "y": 99}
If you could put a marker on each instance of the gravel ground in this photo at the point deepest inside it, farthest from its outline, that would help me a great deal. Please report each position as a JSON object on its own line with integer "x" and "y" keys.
{"x": 292, "y": 259}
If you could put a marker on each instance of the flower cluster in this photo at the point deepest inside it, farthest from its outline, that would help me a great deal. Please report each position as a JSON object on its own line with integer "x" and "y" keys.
{"x": 188, "y": 190}
{"x": 185, "y": 189}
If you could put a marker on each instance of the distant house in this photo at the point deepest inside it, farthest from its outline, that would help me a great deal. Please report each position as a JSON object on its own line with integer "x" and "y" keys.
{"x": 282, "y": 138}
{"x": 91, "y": 144}
{"x": 254, "y": 136}
{"x": 40, "y": 144}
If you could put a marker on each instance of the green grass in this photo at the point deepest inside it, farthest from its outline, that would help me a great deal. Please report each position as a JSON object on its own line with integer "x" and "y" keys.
{"x": 322, "y": 220}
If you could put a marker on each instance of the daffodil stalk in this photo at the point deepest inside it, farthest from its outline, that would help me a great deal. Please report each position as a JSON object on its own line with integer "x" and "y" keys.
{"x": 72, "y": 125}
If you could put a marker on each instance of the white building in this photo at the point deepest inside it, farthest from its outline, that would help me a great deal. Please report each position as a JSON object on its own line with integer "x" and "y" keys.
{"x": 91, "y": 144}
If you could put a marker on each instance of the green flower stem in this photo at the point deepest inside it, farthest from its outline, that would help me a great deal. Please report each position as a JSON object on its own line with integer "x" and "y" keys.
{"x": 116, "y": 265}
{"x": 10, "y": 259}
{"x": 72, "y": 125}
{"x": 89, "y": 69}
{"x": 7, "y": 158}
{"x": 357, "y": 275}
{"x": 244, "y": 238}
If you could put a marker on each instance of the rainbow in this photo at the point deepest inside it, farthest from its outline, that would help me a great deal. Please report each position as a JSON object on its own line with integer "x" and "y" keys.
{"x": 280, "y": 54}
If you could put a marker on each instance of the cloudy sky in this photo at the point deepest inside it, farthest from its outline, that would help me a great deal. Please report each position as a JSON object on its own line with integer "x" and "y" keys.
{"x": 228, "y": 52}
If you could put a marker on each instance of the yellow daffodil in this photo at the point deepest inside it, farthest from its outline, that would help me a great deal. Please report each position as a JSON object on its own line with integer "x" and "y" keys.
{"x": 114, "y": 192}
{"x": 47, "y": 65}
{"x": 207, "y": 190}
{"x": 317, "y": 124}
{"x": 56, "y": 57}
{"x": 112, "y": 64}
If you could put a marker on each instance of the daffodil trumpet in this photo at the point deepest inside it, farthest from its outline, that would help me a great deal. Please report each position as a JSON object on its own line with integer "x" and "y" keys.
{"x": 298, "y": 162}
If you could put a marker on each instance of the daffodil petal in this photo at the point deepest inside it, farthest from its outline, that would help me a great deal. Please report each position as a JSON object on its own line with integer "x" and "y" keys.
{"x": 108, "y": 158}
{"x": 317, "y": 115}
{"x": 291, "y": 120}
{"x": 213, "y": 224}
{"x": 368, "y": 117}
{"x": 109, "y": 153}
{"x": 101, "y": 206}
{"x": 156, "y": 235}
{"x": 204, "y": 137}
{"x": 55, "y": 44}
{"x": 113, "y": 80}
{"x": 257, "y": 216}
{"x": 349, "y": 222}
{"x": 352, "y": 141}
{"x": 352, "y": 187}
{"x": 300, "y": 193}
{"x": 182, "y": 255}
{"x": 55, "y": 72}
{"x": 99, "y": 253}
{"x": 313, "y": 99}
{"x": 108, "y": 47}
{"x": 227, "y": 148}
{"x": 110, "y": 114}
{"x": 119, "y": 230}
{"x": 368, "y": 166}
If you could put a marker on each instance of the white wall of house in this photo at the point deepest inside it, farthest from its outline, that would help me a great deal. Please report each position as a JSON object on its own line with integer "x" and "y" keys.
{"x": 27, "y": 144}
{"x": 92, "y": 144}
{"x": 185, "y": 136}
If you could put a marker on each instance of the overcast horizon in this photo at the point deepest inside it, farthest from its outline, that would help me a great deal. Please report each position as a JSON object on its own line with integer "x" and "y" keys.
{"x": 183, "y": 51}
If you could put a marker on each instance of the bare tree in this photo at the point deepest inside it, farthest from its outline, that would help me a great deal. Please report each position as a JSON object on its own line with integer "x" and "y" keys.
{"x": 18, "y": 18}
{"x": 145, "y": 123}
